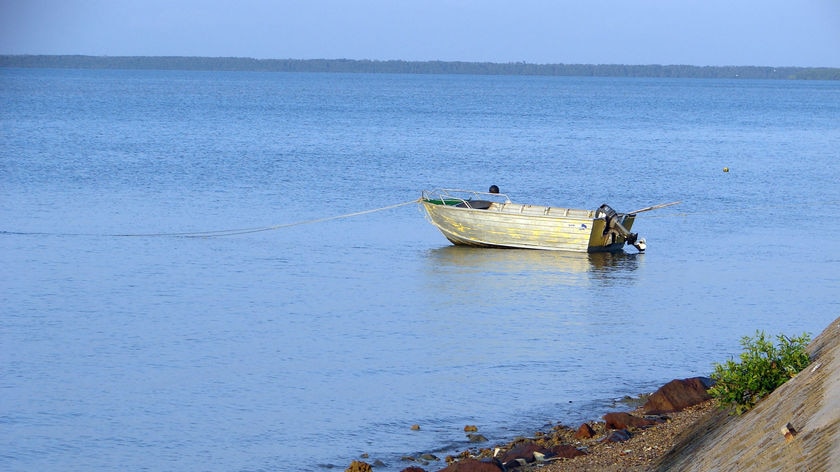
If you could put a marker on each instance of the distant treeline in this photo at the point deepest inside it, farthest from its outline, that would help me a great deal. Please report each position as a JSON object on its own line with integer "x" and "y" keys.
{"x": 416, "y": 67}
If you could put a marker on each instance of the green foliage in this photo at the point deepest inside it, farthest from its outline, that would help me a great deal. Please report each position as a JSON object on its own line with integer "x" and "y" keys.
{"x": 762, "y": 369}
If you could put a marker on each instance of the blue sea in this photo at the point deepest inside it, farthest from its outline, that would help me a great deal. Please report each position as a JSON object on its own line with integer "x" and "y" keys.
{"x": 136, "y": 334}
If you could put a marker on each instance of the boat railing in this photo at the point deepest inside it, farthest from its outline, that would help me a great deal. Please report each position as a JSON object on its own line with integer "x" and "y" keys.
{"x": 450, "y": 196}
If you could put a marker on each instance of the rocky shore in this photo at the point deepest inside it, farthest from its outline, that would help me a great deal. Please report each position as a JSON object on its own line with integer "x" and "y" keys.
{"x": 680, "y": 428}
{"x": 622, "y": 441}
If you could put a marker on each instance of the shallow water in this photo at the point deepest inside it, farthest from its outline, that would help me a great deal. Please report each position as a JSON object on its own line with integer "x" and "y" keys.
{"x": 305, "y": 346}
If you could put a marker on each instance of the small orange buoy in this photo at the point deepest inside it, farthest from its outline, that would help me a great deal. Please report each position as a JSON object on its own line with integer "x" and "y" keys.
{"x": 726, "y": 169}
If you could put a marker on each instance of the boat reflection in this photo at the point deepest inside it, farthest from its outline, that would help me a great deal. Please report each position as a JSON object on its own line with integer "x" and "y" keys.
{"x": 542, "y": 268}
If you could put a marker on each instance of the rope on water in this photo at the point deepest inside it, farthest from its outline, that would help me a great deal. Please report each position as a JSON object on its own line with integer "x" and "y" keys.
{"x": 223, "y": 232}
{"x": 234, "y": 232}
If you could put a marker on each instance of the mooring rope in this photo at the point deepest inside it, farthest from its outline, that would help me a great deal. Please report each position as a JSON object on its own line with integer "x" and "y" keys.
{"x": 221, "y": 232}
{"x": 234, "y": 232}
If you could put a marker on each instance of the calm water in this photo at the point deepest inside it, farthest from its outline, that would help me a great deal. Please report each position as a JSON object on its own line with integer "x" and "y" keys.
{"x": 303, "y": 347}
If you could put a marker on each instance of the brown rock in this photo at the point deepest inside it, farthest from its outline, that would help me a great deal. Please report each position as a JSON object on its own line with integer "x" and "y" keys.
{"x": 619, "y": 435}
{"x": 678, "y": 395}
{"x": 585, "y": 432}
{"x": 619, "y": 420}
{"x": 514, "y": 464}
{"x": 359, "y": 466}
{"x": 472, "y": 465}
{"x": 524, "y": 451}
{"x": 566, "y": 450}
{"x": 788, "y": 431}
{"x": 413, "y": 468}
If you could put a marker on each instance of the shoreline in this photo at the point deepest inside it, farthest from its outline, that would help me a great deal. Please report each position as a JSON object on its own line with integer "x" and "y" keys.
{"x": 797, "y": 426}
{"x": 635, "y": 446}
{"x": 642, "y": 446}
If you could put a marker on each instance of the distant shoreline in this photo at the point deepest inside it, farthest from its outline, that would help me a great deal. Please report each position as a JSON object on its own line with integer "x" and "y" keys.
{"x": 414, "y": 67}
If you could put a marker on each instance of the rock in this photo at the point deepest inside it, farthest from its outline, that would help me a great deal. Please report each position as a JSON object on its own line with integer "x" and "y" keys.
{"x": 678, "y": 395}
{"x": 519, "y": 462}
{"x": 788, "y": 431}
{"x": 619, "y": 420}
{"x": 359, "y": 466}
{"x": 528, "y": 452}
{"x": 566, "y": 451}
{"x": 523, "y": 451}
{"x": 585, "y": 432}
{"x": 476, "y": 438}
{"x": 472, "y": 465}
{"x": 618, "y": 435}
{"x": 540, "y": 457}
{"x": 413, "y": 468}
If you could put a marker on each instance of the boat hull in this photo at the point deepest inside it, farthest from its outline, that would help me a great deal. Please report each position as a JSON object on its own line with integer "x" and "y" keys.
{"x": 512, "y": 225}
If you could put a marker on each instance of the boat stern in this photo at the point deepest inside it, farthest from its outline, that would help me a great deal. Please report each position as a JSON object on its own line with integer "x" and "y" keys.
{"x": 614, "y": 231}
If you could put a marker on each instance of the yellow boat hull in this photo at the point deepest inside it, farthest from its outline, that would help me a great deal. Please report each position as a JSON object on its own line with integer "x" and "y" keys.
{"x": 514, "y": 225}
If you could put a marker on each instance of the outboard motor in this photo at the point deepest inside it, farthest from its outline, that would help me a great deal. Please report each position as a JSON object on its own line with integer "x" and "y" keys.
{"x": 614, "y": 220}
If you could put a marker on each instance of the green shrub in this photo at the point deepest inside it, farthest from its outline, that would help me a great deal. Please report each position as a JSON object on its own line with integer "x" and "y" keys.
{"x": 762, "y": 369}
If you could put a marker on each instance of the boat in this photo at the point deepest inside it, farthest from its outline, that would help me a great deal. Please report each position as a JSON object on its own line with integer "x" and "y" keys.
{"x": 489, "y": 219}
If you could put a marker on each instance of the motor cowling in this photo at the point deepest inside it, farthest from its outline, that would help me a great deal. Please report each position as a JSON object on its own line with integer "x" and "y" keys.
{"x": 613, "y": 223}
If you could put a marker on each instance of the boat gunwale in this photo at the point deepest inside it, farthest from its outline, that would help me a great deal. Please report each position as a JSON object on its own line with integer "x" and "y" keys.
{"x": 508, "y": 208}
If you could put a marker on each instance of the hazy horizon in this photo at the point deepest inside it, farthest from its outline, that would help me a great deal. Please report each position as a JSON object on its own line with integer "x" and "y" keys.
{"x": 360, "y": 62}
{"x": 770, "y": 33}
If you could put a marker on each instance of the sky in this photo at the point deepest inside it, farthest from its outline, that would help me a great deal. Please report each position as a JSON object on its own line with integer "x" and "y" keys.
{"x": 802, "y": 33}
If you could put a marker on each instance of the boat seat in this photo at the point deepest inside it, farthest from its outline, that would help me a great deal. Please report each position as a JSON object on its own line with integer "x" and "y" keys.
{"x": 475, "y": 204}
